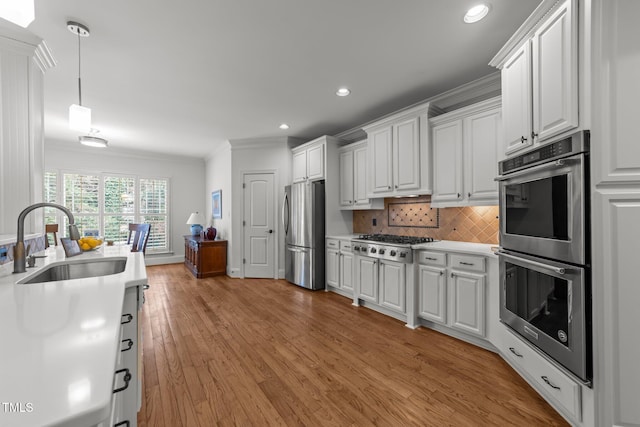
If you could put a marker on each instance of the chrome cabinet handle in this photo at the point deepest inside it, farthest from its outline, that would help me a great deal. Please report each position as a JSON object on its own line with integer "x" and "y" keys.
{"x": 126, "y": 378}
{"x": 549, "y": 383}
{"x": 558, "y": 270}
{"x": 466, "y": 263}
{"x": 513, "y": 350}
{"x": 431, "y": 259}
{"x": 128, "y": 318}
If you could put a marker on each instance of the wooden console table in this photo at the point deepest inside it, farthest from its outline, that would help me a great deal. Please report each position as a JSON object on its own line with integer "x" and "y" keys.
{"x": 205, "y": 258}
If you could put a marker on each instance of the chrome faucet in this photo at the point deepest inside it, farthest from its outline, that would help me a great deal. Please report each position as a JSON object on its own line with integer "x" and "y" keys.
{"x": 19, "y": 258}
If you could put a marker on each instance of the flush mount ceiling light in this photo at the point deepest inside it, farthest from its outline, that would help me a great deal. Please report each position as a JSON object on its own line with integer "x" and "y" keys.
{"x": 93, "y": 141}
{"x": 343, "y": 91}
{"x": 19, "y": 12}
{"x": 284, "y": 126}
{"x": 79, "y": 116}
{"x": 476, "y": 13}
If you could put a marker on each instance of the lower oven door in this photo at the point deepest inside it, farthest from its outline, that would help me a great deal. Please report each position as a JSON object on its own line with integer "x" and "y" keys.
{"x": 546, "y": 302}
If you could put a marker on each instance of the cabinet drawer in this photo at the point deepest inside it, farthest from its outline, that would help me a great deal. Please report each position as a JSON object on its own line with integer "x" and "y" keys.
{"x": 468, "y": 262}
{"x": 552, "y": 382}
{"x": 346, "y": 246}
{"x": 333, "y": 243}
{"x": 432, "y": 258}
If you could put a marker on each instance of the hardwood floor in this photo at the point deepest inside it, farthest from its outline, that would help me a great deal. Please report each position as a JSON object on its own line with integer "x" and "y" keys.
{"x": 258, "y": 352}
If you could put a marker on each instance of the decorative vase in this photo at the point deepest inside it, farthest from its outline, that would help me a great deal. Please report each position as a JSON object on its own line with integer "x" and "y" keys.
{"x": 211, "y": 233}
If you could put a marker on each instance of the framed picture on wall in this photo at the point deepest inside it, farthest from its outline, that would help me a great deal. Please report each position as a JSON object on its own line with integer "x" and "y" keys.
{"x": 216, "y": 204}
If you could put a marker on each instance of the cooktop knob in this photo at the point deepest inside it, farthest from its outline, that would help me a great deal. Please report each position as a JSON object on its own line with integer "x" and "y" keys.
{"x": 403, "y": 254}
{"x": 373, "y": 250}
{"x": 381, "y": 251}
{"x": 363, "y": 249}
{"x": 392, "y": 253}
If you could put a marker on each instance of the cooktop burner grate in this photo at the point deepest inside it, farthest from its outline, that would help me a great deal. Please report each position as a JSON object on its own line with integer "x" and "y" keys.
{"x": 398, "y": 240}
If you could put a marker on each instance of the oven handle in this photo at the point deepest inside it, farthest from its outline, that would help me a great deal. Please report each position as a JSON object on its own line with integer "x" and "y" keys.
{"x": 558, "y": 270}
{"x": 550, "y": 165}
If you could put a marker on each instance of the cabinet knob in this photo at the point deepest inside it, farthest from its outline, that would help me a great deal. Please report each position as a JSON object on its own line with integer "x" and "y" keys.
{"x": 469, "y": 194}
{"x": 396, "y": 187}
{"x": 458, "y": 195}
{"x": 533, "y": 135}
{"x": 522, "y": 139}
{"x": 389, "y": 188}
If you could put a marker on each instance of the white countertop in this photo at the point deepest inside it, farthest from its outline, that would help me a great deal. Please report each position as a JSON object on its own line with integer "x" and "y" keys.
{"x": 344, "y": 236}
{"x": 59, "y": 341}
{"x": 463, "y": 247}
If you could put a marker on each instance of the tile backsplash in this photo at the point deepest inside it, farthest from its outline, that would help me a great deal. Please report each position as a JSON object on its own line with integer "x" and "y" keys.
{"x": 36, "y": 245}
{"x": 414, "y": 216}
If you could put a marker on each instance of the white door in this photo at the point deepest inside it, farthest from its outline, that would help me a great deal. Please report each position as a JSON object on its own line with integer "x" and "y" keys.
{"x": 467, "y": 303}
{"x": 300, "y": 166}
{"x": 516, "y": 100}
{"x": 406, "y": 155}
{"x": 380, "y": 175}
{"x": 346, "y": 271}
{"x": 368, "y": 279}
{"x": 447, "y": 162}
{"x": 482, "y": 136}
{"x": 333, "y": 271}
{"x": 360, "y": 176}
{"x": 433, "y": 294}
{"x": 392, "y": 278}
{"x": 346, "y": 178}
{"x": 259, "y": 226}
{"x": 315, "y": 162}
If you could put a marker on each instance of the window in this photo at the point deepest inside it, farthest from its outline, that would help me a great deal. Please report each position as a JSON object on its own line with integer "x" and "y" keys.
{"x": 108, "y": 203}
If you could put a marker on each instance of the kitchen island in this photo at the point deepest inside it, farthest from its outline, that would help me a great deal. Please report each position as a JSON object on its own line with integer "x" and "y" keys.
{"x": 61, "y": 341}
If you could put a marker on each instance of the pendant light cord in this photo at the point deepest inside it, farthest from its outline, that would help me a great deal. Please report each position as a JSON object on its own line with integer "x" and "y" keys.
{"x": 79, "y": 80}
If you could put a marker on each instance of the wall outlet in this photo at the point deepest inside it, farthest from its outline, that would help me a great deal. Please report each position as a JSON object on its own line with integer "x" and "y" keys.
{"x": 374, "y": 222}
{"x": 3, "y": 254}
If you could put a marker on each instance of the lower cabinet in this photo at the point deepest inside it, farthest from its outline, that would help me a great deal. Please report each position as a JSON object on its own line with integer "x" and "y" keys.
{"x": 339, "y": 266}
{"x": 383, "y": 283}
{"x": 452, "y": 291}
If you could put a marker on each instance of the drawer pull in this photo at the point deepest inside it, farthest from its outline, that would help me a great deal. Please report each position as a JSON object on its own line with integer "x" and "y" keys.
{"x": 126, "y": 378}
{"x": 122, "y": 423}
{"x": 513, "y": 350}
{"x": 129, "y": 342}
{"x": 549, "y": 383}
{"x": 431, "y": 259}
{"x": 466, "y": 263}
{"x": 128, "y": 318}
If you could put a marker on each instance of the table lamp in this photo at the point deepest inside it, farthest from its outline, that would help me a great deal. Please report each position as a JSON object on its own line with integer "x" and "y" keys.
{"x": 195, "y": 220}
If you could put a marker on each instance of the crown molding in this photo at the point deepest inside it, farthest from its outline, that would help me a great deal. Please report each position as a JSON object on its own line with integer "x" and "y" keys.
{"x": 21, "y": 41}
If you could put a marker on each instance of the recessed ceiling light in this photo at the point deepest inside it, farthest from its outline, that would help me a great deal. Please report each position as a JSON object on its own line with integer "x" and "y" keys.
{"x": 93, "y": 141}
{"x": 343, "y": 91}
{"x": 284, "y": 126}
{"x": 476, "y": 13}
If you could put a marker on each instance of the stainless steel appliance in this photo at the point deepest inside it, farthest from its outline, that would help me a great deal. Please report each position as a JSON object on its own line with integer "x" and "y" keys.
{"x": 543, "y": 200}
{"x": 303, "y": 220}
{"x": 544, "y": 252}
{"x": 387, "y": 246}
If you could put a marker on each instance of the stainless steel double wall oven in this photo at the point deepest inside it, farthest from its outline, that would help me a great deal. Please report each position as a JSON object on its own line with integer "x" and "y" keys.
{"x": 545, "y": 250}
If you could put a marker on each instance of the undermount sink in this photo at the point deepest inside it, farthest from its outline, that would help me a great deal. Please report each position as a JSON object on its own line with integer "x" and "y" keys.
{"x": 80, "y": 269}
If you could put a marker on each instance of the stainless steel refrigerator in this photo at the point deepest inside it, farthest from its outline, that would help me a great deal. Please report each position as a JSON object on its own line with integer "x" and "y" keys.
{"x": 303, "y": 220}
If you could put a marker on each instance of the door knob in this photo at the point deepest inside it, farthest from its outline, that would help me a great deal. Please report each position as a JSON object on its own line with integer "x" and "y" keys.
{"x": 270, "y": 231}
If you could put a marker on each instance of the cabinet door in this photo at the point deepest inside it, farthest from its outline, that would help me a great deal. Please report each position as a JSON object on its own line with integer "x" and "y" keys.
{"x": 333, "y": 268}
{"x": 433, "y": 294}
{"x": 516, "y": 100}
{"x": 482, "y": 136}
{"x": 346, "y": 271}
{"x": 381, "y": 179}
{"x": 467, "y": 302}
{"x": 555, "y": 75}
{"x": 346, "y": 178}
{"x": 368, "y": 279}
{"x": 447, "y": 162}
{"x": 392, "y": 280}
{"x": 315, "y": 162}
{"x": 360, "y": 176}
{"x": 406, "y": 155}
{"x": 299, "y": 166}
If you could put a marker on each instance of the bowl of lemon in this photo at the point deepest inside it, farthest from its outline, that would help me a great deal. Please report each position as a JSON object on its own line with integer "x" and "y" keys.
{"x": 89, "y": 243}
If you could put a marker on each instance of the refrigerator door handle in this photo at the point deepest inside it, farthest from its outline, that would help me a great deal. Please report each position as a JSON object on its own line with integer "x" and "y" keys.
{"x": 290, "y": 249}
{"x": 285, "y": 210}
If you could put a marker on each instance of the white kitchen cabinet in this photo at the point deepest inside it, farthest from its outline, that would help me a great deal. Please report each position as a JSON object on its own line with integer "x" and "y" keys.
{"x": 353, "y": 178}
{"x": 540, "y": 81}
{"x": 339, "y": 266}
{"x": 392, "y": 284}
{"x": 23, "y": 61}
{"x": 309, "y": 161}
{"x": 452, "y": 291}
{"x": 367, "y": 279}
{"x": 398, "y": 154}
{"x": 466, "y": 143}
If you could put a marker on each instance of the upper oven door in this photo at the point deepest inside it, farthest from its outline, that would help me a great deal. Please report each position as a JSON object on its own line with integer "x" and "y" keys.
{"x": 542, "y": 210}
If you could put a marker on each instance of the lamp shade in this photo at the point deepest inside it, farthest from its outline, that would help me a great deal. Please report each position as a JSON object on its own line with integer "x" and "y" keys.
{"x": 80, "y": 118}
{"x": 195, "y": 218}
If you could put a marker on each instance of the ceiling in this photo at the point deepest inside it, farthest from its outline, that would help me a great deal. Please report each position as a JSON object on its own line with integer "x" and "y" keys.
{"x": 183, "y": 77}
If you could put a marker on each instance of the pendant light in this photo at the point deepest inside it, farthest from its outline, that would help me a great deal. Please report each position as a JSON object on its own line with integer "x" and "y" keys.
{"x": 79, "y": 116}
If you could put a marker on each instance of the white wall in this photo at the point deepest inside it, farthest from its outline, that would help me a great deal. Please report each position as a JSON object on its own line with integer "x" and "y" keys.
{"x": 257, "y": 155}
{"x": 218, "y": 177}
{"x": 187, "y": 175}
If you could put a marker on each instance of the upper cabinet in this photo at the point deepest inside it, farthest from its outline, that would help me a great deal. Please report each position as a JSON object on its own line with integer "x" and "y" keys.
{"x": 540, "y": 79}
{"x": 398, "y": 155}
{"x": 309, "y": 161}
{"x": 465, "y": 144}
{"x": 23, "y": 61}
{"x": 353, "y": 178}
